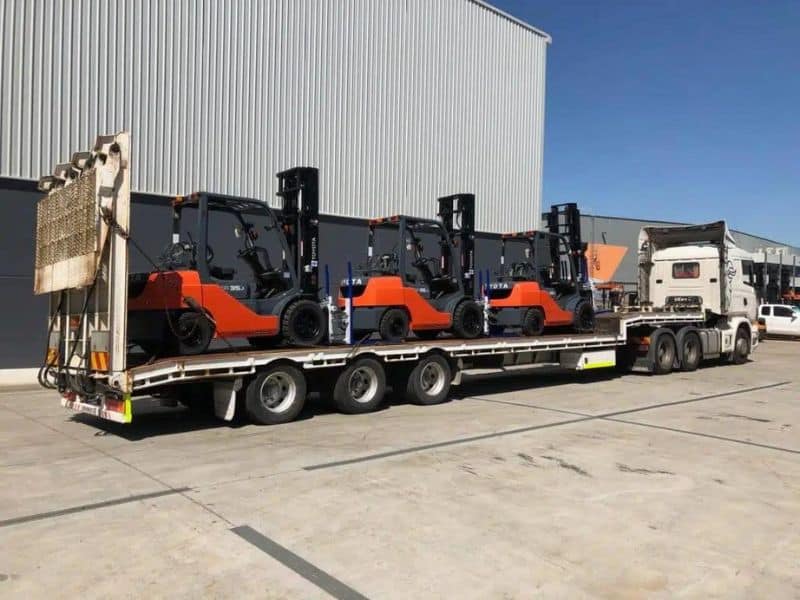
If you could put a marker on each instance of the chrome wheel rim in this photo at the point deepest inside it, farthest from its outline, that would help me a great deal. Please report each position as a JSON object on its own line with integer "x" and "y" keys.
{"x": 362, "y": 384}
{"x": 278, "y": 392}
{"x": 432, "y": 378}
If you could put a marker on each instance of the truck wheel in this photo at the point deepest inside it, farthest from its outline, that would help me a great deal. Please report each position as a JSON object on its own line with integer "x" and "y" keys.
{"x": 393, "y": 326}
{"x": 584, "y": 317}
{"x": 691, "y": 352}
{"x": 276, "y": 395}
{"x": 194, "y": 333}
{"x": 360, "y": 387}
{"x": 303, "y": 323}
{"x": 741, "y": 347}
{"x": 429, "y": 381}
{"x": 468, "y": 320}
{"x": 662, "y": 353}
{"x": 533, "y": 322}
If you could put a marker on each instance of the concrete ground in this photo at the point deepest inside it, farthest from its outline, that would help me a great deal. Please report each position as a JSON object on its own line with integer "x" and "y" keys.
{"x": 553, "y": 486}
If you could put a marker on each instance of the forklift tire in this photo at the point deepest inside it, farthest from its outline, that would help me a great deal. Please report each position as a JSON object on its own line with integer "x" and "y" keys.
{"x": 303, "y": 323}
{"x": 393, "y": 326}
{"x": 276, "y": 395}
{"x": 429, "y": 381}
{"x": 360, "y": 388}
{"x": 533, "y": 322}
{"x": 468, "y": 320}
{"x": 194, "y": 333}
{"x": 584, "y": 317}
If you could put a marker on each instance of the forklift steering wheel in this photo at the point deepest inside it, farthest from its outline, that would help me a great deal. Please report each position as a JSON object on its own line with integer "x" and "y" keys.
{"x": 387, "y": 262}
{"x": 521, "y": 269}
{"x": 209, "y": 254}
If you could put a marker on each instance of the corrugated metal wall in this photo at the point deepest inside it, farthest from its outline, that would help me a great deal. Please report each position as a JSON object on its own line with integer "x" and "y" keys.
{"x": 396, "y": 101}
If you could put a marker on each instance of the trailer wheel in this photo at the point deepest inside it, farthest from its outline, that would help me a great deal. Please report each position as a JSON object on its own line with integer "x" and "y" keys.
{"x": 194, "y": 332}
{"x": 662, "y": 352}
{"x": 303, "y": 323}
{"x": 276, "y": 395}
{"x": 429, "y": 381}
{"x": 360, "y": 388}
{"x": 741, "y": 346}
{"x": 584, "y": 317}
{"x": 533, "y": 322}
{"x": 691, "y": 351}
{"x": 393, "y": 326}
{"x": 468, "y": 320}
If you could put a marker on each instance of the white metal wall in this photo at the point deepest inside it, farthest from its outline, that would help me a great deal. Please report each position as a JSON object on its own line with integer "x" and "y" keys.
{"x": 396, "y": 101}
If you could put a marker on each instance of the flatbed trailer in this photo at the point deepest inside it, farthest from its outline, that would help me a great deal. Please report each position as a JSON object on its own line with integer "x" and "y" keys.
{"x": 235, "y": 378}
{"x": 82, "y": 263}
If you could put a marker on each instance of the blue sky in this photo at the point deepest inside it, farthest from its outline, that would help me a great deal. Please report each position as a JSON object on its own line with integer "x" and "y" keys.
{"x": 674, "y": 110}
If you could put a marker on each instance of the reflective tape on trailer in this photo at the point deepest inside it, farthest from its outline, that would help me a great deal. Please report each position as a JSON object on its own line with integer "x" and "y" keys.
{"x": 113, "y": 409}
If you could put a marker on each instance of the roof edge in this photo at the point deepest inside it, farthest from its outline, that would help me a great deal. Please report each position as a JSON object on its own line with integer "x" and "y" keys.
{"x": 513, "y": 19}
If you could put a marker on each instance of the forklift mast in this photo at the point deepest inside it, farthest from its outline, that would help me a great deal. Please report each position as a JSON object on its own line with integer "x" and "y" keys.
{"x": 565, "y": 220}
{"x": 299, "y": 189}
{"x": 457, "y": 213}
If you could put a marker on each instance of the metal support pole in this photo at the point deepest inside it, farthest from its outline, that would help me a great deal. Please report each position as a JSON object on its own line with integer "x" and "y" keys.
{"x": 348, "y": 337}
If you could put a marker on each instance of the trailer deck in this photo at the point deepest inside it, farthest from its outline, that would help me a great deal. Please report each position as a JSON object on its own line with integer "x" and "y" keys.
{"x": 234, "y": 363}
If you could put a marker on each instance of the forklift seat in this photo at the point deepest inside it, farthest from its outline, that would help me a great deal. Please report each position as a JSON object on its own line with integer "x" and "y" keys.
{"x": 443, "y": 285}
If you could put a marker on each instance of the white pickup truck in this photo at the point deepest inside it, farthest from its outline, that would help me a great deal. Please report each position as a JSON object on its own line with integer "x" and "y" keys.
{"x": 779, "y": 319}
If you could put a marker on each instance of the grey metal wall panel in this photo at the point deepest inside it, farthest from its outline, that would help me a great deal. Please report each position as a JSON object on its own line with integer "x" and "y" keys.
{"x": 396, "y": 101}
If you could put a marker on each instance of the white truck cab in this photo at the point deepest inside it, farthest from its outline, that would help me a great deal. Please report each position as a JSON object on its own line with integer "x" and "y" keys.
{"x": 696, "y": 267}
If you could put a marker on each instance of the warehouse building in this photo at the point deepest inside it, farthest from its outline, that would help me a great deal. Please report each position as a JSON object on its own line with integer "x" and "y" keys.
{"x": 396, "y": 102}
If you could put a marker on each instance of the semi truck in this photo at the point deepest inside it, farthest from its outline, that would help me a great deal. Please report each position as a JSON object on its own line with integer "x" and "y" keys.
{"x": 697, "y": 303}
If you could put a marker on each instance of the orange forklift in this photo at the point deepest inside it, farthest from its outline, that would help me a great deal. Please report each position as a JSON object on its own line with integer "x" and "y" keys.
{"x": 193, "y": 295}
{"x": 546, "y": 288}
{"x": 406, "y": 290}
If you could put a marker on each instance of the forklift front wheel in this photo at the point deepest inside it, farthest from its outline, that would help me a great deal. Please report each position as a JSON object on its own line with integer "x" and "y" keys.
{"x": 468, "y": 320}
{"x": 276, "y": 395}
{"x": 303, "y": 323}
{"x": 360, "y": 387}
